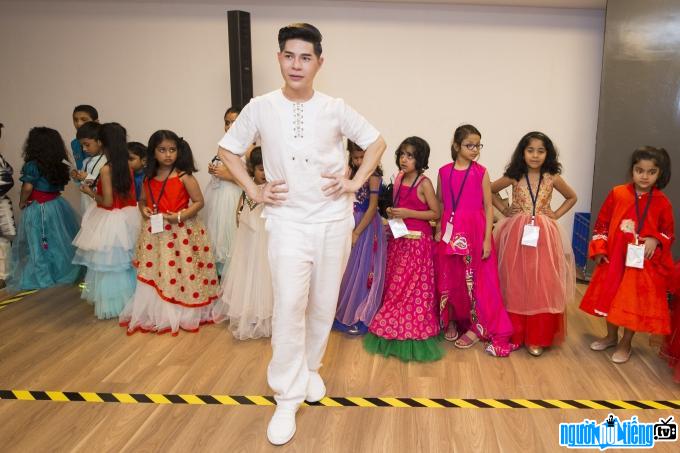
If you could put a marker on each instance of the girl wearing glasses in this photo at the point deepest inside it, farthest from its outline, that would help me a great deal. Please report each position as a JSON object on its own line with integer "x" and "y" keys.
{"x": 537, "y": 273}
{"x": 464, "y": 253}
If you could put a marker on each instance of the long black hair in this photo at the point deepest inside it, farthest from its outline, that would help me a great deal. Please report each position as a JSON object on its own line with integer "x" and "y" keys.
{"x": 185, "y": 158}
{"x": 46, "y": 147}
{"x": 517, "y": 167}
{"x": 660, "y": 158}
{"x": 114, "y": 142}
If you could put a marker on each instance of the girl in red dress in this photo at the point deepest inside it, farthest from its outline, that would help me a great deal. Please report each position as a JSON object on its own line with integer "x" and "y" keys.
{"x": 631, "y": 245}
{"x": 176, "y": 276}
{"x": 671, "y": 346}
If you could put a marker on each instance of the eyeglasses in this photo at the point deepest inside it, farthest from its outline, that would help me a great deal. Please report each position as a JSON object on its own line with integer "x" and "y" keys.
{"x": 472, "y": 146}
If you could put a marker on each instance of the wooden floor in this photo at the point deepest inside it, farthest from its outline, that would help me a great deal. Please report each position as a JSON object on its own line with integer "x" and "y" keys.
{"x": 51, "y": 341}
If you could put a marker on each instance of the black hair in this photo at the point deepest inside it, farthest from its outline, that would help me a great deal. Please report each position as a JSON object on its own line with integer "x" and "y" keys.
{"x": 660, "y": 158}
{"x": 46, "y": 147}
{"x": 233, "y": 109}
{"x": 303, "y": 31}
{"x": 460, "y": 134}
{"x": 91, "y": 111}
{"x": 138, "y": 149}
{"x": 185, "y": 158}
{"x": 88, "y": 130}
{"x": 421, "y": 152}
{"x": 353, "y": 147}
{"x": 254, "y": 160}
{"x": 517, "y": 167}
{"x": 114, "y": 142}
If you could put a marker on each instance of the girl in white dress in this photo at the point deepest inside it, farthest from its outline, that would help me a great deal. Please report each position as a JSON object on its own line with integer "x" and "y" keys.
{"x": 247, "y": 297}
{"x": 222, "y": 196}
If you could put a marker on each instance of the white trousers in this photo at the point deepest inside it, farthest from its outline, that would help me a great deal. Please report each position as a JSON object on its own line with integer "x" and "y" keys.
{"x": 307, "y": 262}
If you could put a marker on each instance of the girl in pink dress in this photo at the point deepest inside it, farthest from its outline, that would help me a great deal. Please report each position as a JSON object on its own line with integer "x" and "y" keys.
{"x": 467, "y": 273}
{"x": 537, "y": 278}
{"x": 407, "y": 324}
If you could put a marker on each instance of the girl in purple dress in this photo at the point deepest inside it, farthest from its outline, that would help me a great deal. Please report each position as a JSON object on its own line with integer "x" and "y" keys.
{"x": 407, "y": 324}
{"x": 467, "y": 271}
{"x": 362, "y": 283}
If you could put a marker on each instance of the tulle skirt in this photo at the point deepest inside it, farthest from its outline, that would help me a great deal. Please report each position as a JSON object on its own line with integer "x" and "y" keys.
{"x": 148, "y": 312}
{"x": 247, "y": 296}
{"x": 106, "y": 244}
{"x": 219, "y": 214}
{"x": 534, "y": 279}
{"x": 176, "y": 280}
{"x": 42, "y": 252}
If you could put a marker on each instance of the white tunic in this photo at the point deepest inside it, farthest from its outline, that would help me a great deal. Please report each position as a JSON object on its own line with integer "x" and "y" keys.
{"x": 300, "y": 142}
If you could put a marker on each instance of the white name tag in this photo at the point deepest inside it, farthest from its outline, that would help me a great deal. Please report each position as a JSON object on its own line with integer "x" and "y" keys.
{"x": 635, "y": 257}
{"x": 530, "y": 235}
{"x": 398, "y": 227}
{"x": 156, "y": 223}
{"x": 448, "y": 232}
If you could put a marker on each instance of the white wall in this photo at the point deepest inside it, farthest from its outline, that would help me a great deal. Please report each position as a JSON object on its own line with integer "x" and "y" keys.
{"x": 410, "y": 69}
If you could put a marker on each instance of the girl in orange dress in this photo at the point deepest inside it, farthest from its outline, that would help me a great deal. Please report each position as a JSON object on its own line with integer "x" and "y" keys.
{"x": 176, "y": 276}
{"x": 537, "y": 277}
{"x": 631, "y": 245}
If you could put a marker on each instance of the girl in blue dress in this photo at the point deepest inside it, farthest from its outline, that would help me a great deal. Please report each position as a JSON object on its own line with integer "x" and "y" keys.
{"x": 42, "y": 251}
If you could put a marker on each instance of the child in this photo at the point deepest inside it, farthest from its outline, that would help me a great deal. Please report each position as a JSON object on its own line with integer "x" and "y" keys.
{"x": 42, "y": 250}
{"x": 362, "y": 285}
{"x": 631, "y": 245}
{"x": 109, "y": 230}
{"x": 247, "y": 298}
{"x": 81, "y": 115}
{"x": 177, "y": 283}
{"x": 467, "y": 274}
{"x": 537, "y": 277}
{"x": 88, "y": 134}
{"x": 407, "y": 325}
{"x": 137, "y": 162}
{"x": 671, "y": 347}
{"x": 221, "y": 198}
{"x": 7, "y": 225}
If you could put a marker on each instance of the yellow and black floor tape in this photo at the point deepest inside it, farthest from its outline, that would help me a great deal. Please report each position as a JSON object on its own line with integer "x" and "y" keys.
{"x": 245, "y": 400}
{"x": 15, "y": 298}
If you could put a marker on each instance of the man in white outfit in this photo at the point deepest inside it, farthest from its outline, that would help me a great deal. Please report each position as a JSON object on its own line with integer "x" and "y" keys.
{"x": 308, "y": 210}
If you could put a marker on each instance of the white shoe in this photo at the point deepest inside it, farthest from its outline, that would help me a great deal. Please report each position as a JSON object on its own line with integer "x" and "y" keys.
{"x": 316, "y": 389}
{"x": 281, "y": 427}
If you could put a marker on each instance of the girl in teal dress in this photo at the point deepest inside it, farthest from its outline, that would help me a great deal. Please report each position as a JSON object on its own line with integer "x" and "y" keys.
{"x": 42, "y": 251}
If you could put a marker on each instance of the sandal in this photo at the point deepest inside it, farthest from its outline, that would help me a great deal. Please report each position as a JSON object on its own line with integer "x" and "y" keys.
{"x": 466, "y": 341}
{"x": 451, "y": 333}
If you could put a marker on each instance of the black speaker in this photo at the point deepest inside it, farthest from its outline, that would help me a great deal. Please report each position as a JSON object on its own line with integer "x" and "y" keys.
{"x": 240, "y": 58}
